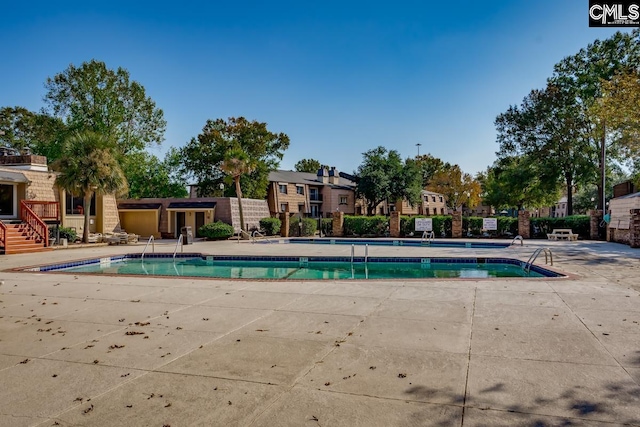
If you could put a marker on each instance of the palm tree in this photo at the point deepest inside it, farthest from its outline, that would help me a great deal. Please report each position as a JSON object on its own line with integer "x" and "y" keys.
{"x": 237, "y": 163}
{"x": 88, "y": 166}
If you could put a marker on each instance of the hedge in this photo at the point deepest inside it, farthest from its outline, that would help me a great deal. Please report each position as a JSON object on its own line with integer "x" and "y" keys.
{"x": 271, "y": 226}
{"x": 216, "y": 230}
{"x": 309, "y": 227}
{"x": 327, "y": 226}
{"x": 579, "y": 224}
{"x": 365, "y": 225}
{"x": 441, "y": 226}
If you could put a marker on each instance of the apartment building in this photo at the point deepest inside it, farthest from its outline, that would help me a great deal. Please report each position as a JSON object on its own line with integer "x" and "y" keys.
{"x": 311, "y": 195}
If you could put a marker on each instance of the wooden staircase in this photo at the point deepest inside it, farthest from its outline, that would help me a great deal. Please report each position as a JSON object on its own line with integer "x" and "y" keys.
{"x": 19, "y": 238}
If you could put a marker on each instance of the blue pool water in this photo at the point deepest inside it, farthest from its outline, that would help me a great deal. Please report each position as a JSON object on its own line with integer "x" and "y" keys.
{"x": 393, "y": 242}
{"x": 302, "y": 268}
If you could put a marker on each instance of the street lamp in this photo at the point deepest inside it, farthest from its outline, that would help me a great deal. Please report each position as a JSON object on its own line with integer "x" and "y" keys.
{"x": 418, "y": 145}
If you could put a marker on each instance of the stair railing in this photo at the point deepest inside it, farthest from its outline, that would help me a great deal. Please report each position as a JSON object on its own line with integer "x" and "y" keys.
{"x": 3, "y": 234}
{"x": 34, "y": 222}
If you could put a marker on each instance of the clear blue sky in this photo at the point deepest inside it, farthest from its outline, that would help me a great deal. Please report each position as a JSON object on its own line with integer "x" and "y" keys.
{"x": 339, "y": 77}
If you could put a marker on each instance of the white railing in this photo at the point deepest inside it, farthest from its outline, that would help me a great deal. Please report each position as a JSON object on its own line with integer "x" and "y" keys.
{"x": 548, "y": 258}
{"x": 427, "y": 236}
{"x": 259, "y": 234}
{"x": 153, "y": 247}
{"x": 175, "y": 251}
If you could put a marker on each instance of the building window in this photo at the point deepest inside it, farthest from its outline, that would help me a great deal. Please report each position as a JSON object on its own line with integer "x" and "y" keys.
{"x": 283, "y": 188}
{"x": 442, "y": 211}
{"x": 381, "y": 211}
{"x": 283, "y": 207}
{"x": 343, "y": 200}
{"x": 441, "y": 199}
{"x": 301, "y": 208}
{"x": 433, "y": 198}
{"x": 7, "y": 199}
{"x": 74, "y": 205}
{"x": 435, "y": 211}
{"x": 300, "y": 189}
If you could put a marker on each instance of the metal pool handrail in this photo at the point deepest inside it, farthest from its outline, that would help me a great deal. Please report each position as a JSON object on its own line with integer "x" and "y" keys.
{"x": 241, "y": 233}
{"x": 353, "y": 248}
{"x": 534, "y": 255}
{"x": 518, "y": 237}
{"x": 428, "y": 236}
{"x": 366, "y": 253}
{"x": 257, "y": 233}
{"x": 153, "y": 247}
{"x": 176, "y": 249}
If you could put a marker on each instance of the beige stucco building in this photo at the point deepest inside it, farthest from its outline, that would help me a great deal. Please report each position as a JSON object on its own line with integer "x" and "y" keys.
{"x": 26, "y": 178}
{"x": 164, "y": 218}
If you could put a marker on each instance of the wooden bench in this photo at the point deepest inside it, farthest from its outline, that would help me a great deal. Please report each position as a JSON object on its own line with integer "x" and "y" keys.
{"x": 562, "y": 234}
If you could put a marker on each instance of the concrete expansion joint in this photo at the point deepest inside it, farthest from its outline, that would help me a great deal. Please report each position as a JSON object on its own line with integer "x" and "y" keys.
{"x": 466, "y": 380}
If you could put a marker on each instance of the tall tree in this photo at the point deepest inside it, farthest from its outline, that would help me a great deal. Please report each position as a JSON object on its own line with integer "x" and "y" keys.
{"x": 236, "y": 164}
{"x": 549, "y": 129}
{"x": 519, "y": 182}
{"x": 308, "y": 165}
{"x": 383, "y": 176}
{"x": 428, "y": 166}
{"x": 203, "y": 155}
{"x": 24, "y": 130}
{"x": 149, "y": 177}
{"x": 94, "y": 97}
{"x": 89, "y": 166}
{"x": 583, "y": 75}
{"x": 458, "y": 188}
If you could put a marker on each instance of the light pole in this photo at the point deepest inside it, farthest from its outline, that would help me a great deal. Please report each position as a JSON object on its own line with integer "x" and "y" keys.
{"x": 418, "y": 145}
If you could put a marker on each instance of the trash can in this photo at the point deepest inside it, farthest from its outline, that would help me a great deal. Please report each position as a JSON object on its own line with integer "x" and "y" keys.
{"x": 187, "y": 235}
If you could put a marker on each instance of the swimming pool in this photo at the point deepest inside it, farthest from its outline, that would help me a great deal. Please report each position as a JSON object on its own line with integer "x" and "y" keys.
{"x": 301, "y": 268}
{"x": 392, "y": 242}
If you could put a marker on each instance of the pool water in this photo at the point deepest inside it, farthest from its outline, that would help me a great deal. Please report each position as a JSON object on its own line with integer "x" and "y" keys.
{"x": 392, "y": 242}
{"x": 296, "y": 270}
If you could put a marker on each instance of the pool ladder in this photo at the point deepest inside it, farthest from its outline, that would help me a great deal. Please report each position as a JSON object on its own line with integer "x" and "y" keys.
{"x": 366, "y": 259}
{"x": 366, "y": 253}
{"x": 427, "y": 236}
{"x": 547, "y": 252}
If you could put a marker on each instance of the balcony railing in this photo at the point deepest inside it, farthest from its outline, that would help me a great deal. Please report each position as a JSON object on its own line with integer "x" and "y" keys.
{"x": 46, "y": 211}
{"x": 315, "y": 197}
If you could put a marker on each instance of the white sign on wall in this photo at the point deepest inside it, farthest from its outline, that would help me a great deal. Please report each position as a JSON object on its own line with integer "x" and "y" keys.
{"x": 490, "y": 224}
{"x": 424, "y": 224}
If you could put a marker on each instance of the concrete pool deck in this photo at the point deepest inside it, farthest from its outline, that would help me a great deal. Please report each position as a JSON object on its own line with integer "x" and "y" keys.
{"x": 140, "y": 351}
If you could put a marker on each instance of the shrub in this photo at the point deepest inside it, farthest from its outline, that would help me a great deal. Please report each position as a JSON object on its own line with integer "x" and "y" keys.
{"x": 365, "y": 225}
{"x": 65, "y": 233}
{"x": 579, "y": 224}
{"x": 271, "y": 226}
{"x": 441, "y": 225}
{"x": 216, "y": 230}
{"x": 309, "y": 227}
{"x": 327, "y": 226}
{"x": 507, "y": 226}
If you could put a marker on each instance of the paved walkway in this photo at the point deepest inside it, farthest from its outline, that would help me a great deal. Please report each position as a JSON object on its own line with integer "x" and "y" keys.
{"x": 122, "y": 351}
